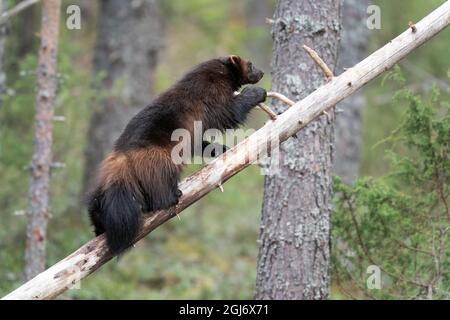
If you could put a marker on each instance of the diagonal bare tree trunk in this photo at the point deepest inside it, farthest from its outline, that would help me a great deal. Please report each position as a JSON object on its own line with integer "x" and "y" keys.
{"x": 128, "y": 42}
{"x": 352, "y": 49}
{"x": 295, "y": 228}
{"x": 38, "y": 203}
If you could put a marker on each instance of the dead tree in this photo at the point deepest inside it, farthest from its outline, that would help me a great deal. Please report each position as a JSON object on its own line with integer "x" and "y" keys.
{"x": 94, "y": 254}
{"x": 38, "y": 202}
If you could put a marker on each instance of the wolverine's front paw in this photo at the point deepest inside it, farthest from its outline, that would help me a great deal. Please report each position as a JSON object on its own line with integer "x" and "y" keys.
{"x": 259, "y": 94}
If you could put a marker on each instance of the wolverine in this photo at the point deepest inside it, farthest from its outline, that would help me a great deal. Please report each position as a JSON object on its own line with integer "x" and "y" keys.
{"x": 139, "y": 176}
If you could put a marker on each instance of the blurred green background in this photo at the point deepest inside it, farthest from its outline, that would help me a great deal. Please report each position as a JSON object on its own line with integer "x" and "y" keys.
{"x": 211, "y": 252}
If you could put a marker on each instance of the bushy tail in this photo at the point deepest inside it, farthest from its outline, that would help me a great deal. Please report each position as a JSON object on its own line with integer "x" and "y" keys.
{"x": 143, "y": 180}
{"x": 115, "y": 212}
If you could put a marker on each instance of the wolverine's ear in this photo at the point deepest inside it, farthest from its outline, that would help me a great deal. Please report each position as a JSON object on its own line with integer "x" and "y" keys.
{"x": 236, "y": 60}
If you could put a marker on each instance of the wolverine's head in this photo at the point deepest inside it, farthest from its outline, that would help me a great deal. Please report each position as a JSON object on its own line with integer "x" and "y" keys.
{"x": 248, "y": 74}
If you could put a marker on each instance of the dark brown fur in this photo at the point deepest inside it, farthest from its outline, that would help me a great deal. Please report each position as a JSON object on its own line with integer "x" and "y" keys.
{"x": 139, "y": 175}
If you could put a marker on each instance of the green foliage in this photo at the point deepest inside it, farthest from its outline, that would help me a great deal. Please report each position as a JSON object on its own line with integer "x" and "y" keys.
{"x": 206, "y": 14}
{"x": 426, "y": 64}
{"x": 400, "y": 221}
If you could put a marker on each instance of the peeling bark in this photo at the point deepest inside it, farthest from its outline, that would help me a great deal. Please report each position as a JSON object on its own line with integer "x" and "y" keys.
{"x": 128, "y": 42}
{"x": 38, "y": 202}
{"x": 294, "y": 250}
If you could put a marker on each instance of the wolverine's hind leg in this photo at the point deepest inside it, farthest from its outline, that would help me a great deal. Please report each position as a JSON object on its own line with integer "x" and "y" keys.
{"x": 161, "y": 192}
{"x": 158, "y": 179}
{"x": 172, "y": 195}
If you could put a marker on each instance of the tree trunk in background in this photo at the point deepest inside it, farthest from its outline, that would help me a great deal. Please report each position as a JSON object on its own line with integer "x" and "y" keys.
{"x": 2, "y": 54}
{"x": 128, "y": 41}
{"x": 38, "y": 208}
{"x": 259, "y": 45}
{"x": 294, "y": 253}
{"x": 353, "y": 48}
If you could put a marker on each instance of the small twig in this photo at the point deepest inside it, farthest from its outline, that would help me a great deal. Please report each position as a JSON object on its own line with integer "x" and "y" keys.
{"x": 16, "y": 10}
{"x": 267, "y": 110}
{"x": 281, "y": 97}
{"x": 318, "y": 60}
{"x": 59, "y": 118}
{"x": 412, "y": 26}
{"x": 221, "y": 187}
{"x": 57, "y": 165}
{"x": 20, "y": 212}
